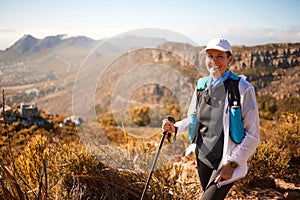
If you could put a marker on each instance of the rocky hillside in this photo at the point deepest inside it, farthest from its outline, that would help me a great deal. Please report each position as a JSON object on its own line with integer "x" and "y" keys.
{"x": 272, "y": 68}
{"x": 45, "y": 70}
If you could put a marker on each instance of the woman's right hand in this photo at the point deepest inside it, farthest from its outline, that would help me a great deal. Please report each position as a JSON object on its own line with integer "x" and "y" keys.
{"x": 168, "y": 126}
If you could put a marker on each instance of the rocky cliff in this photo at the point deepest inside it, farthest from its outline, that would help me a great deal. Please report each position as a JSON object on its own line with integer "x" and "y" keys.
{"x": 272, "y": 68}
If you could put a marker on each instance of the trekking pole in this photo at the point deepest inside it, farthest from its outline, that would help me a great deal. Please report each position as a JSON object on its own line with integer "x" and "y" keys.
{"x": 171, "y": 119}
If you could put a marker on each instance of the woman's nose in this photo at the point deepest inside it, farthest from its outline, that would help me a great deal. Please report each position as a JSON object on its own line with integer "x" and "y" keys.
{"x": 213, "y": 61}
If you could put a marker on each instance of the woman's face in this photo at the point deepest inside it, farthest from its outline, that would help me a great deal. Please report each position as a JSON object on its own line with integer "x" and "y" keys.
{"x": 217, "y": 62}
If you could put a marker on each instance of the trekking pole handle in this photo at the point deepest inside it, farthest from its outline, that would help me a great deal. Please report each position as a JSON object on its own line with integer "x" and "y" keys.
{"x": 170, "y": 118}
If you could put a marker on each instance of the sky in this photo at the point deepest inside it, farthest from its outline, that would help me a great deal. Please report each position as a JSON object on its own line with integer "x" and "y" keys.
{"x": 241, "y": 22}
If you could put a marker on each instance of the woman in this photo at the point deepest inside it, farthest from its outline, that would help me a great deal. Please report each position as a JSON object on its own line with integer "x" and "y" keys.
{"x": 220, "y": 159}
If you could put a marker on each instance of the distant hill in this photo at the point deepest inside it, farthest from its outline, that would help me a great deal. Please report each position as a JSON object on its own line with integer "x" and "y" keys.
{"x": 23, "y": 45}
{"x": 51, "y": 66}
{"x": 28, "y": 45}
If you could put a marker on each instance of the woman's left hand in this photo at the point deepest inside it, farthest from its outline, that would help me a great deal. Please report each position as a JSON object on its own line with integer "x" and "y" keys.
{"x": 225, "y": 172}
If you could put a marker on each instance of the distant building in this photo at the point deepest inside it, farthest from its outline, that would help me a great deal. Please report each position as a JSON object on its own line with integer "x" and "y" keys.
{"x": 28, "y": 111}
{"x": 32, "y": 91}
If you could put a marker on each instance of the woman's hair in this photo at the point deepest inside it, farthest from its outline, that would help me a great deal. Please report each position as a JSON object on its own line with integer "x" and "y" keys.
{"x": 229, "y": 53}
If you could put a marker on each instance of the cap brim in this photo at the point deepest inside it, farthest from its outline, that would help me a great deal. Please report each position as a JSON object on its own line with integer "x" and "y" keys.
{"x": 217, "y": 48}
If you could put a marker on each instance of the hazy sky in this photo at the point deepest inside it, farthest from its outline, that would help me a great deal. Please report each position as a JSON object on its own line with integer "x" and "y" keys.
{"x": 242, "y": 22}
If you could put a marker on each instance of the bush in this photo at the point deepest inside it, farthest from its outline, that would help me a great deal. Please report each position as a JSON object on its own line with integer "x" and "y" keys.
{"x": 267, "y": 162}
{"x": 140, "y": 116}
{"x": 30, "y": 163}
{"x": 288, "y": 133}
{"x": 269, "y": 106}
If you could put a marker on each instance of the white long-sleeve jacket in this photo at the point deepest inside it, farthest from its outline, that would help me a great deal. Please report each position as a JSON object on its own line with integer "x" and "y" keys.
{"x": 239, "y": 153}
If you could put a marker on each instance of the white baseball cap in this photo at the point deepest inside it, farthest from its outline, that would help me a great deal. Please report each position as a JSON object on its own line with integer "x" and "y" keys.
{"x": 221, "y": 44}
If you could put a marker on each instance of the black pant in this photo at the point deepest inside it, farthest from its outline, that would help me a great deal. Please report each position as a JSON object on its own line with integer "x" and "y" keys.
{"x": 207, "y": 177}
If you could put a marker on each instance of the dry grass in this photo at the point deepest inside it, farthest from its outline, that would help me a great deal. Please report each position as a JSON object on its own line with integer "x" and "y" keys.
{"x": 51, "y": 162}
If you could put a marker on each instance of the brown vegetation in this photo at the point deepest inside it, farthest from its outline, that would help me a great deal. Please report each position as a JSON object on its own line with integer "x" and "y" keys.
{"x": 50, "y": 162}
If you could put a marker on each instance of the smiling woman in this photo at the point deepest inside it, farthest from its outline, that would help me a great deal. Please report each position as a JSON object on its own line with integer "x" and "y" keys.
{"x": 221, "y": 159}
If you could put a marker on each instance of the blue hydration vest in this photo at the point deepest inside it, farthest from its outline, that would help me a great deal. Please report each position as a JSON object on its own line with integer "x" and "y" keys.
{"x": 236, "y": 126}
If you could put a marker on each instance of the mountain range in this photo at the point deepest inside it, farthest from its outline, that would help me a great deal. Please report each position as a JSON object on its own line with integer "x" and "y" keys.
{"x": 52, "y": 70}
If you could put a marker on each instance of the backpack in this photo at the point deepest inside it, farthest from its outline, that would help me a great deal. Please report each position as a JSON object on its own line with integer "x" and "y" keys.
{"x": 236, "y": 126}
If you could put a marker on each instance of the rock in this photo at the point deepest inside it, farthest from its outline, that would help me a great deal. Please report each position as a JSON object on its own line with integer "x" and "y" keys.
{"x": 284, "y": 186}
{"x": 292, "y": 195}
{"x": 77, "y": 120}
{"x": 291, "y": 191}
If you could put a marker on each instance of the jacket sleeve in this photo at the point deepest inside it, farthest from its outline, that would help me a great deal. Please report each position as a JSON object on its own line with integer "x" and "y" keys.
{"x": 250, "y": 115}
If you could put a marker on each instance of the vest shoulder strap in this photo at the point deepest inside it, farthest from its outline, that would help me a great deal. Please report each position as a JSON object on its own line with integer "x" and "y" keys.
{"x": 201, "y": 84}
{"x": 232, "y": 86}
